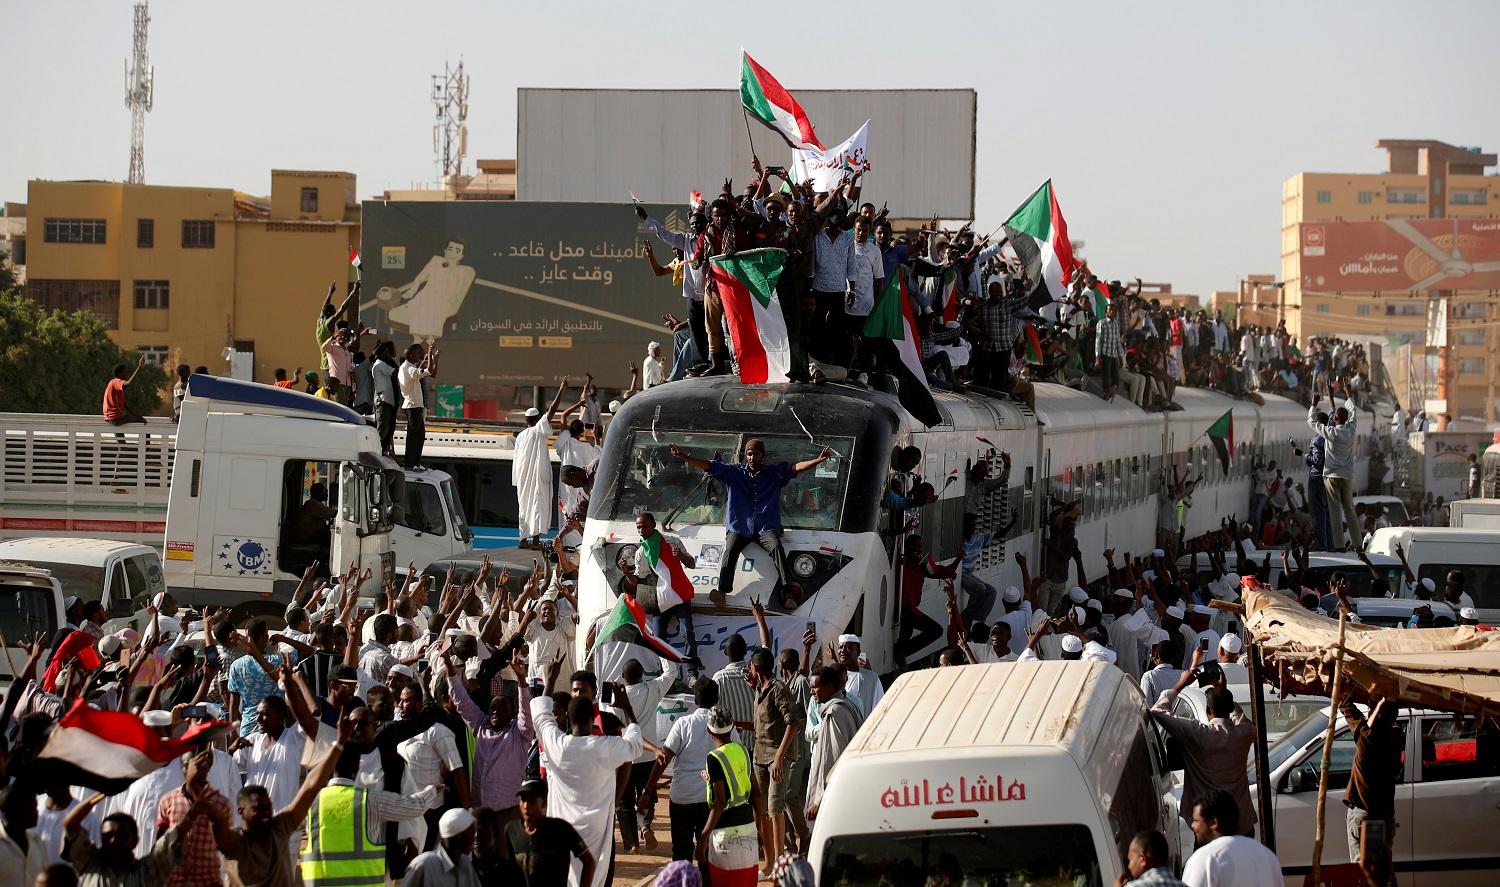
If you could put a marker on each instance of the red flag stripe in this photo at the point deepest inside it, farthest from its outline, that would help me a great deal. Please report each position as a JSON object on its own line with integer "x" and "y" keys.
{"x": 1061, "y": 246}
{"x": 743, "y": 329}
{"x": 779, "y": 97}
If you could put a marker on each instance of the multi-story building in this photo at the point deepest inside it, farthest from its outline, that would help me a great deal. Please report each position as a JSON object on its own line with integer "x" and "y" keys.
{"x": 1392, "y": 255}
{"x": 201, "y": 276}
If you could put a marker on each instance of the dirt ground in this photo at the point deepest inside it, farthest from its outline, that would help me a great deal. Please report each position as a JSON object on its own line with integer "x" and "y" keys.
{"x": 639, "y": 868}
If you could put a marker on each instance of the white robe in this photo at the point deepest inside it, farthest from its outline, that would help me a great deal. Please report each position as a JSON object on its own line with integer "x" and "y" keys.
{"x": 581, "y": 782}
{"x": 531, "y": 471}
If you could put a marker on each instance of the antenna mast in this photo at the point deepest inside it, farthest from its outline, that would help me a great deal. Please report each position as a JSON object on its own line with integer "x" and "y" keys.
{"x": 450, "y": 135}
{"x": 139, "y": 82}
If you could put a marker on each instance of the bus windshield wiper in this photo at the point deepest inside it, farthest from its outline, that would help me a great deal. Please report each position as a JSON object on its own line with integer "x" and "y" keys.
{"x": 666, "y": 524}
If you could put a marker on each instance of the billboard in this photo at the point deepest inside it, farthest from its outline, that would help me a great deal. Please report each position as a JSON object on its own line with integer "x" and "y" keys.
{"x": 597, "y": 144}
{"x": 1398, "y": 255}
{"x": 517, "y": 294}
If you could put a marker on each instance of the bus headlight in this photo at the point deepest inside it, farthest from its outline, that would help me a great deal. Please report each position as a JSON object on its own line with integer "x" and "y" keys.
{"x": 804, "y": 565}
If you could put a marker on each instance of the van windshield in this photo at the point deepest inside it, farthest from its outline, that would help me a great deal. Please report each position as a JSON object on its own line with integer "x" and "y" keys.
{"x": 26, "y": 610}
{"x": 1036, "y": 854}
{"x": 1481, "y": 581}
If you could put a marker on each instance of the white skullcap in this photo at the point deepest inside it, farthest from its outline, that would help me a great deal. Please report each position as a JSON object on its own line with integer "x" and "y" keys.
{"x": 1231, "y": 644}
{"x": 109, "y": 646}
{"x": 127, "y": 636}
{"x": 1158, "y": 634}
{"x": 159, "y": 599}
{"x": 848, "y": 639}
{"x": 453, "y": 632}
{"x": 614, "y": 405}
{"x": 1038, "y": 619}
{"x": 1071, "y": 644}
{"x": 156, "y": 718}
{"x": 1202, "y": 610}
{"x": 1468, "y": 613}
{"x": 1096, "y": 652}
{"x": 652, "y": 346}
{"x": 1077, "y": 595}
{"x": 1012, "y": 595}
{"x": 404, "y": 670}
{"x": 1079, "y": 614}
{"x": 1157, "y": 552}
{"x": 455, "y": 822}
{"x": 1176, "y": 611}
{"x": 1124, "y": 592}
{"x": 1094, "y": 604}
{"x": 532, "y": 412}
{"x": 1148, "y": 575}
{"x": 1429, "y": 585}
{"x": 69, "y": 601}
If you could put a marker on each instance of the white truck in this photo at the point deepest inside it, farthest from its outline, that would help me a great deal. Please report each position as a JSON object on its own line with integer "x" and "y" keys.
{"x": 219, "y": 493}
{"x": 30, "y": 601}
{"x": 1474, "y": 514}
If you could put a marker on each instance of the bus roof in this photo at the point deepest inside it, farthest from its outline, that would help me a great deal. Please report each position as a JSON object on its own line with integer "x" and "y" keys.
{"x": 935, "y": 710}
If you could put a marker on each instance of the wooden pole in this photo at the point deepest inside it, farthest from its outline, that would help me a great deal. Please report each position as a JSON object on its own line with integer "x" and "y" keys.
{"x": 1262, "y": 761}
{"x": 1333, "y": 720}
{"x": 746, "y": 114}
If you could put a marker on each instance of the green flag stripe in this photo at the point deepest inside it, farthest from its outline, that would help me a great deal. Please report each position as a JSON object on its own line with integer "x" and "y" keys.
{"x": 1035, "y": 215}
{"x": 885, "y": 321}
{"x": 757, "y": 271}
{"x": 751, "y": 95}
{"x": 1221, "y": 427}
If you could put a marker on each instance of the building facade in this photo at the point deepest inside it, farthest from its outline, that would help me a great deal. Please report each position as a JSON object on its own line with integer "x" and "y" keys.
{"x": 1391, "y": 255}
{"x": 199, "y": 276}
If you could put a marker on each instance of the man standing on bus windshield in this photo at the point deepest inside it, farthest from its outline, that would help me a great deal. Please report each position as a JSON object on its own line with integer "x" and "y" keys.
{"x": 753, "y": 513}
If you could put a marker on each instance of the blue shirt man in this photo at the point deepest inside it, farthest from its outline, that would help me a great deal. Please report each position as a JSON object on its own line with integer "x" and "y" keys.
{"x": 753, "y": 512}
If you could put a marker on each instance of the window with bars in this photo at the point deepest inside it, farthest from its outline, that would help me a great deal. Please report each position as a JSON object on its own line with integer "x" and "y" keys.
{"x": 98, "y": 297}
{"x": 73, "y": 230}
{"x": 197, "y": 233}
{"x": 152, "y": 294}
{"x": 156, "y": 354}
{"x": 309, "y": 200}
{"x": 145, "y": 233}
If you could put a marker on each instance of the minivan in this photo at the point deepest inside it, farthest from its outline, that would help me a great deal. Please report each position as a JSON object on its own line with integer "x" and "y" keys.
{"x": 1432, "y": 551}
{"x": 30, "y": 602}
{"x": 1033, "y": 772}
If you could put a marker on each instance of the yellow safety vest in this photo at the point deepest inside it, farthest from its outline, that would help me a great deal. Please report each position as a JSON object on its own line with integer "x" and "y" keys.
{"x": 339, "y": 850}
{"x": 735, "y": 762}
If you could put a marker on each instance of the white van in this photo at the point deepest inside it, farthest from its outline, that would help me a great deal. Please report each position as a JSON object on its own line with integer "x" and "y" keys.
{"x": 1445, "y": 799}
{"x": 123, "y": 576}
{"x": 1036, "y": 772}
{"x": 30, "y": 602}
{"x": 1432, "y": 551}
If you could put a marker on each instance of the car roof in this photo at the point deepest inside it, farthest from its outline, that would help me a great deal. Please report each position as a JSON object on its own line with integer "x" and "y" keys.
{"x": 59, "y": 549}
{"x": 998, "y": 704}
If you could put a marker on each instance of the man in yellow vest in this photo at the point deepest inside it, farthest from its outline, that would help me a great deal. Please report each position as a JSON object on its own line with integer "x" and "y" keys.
{"x": 346, "y": 823}
{"x": 729, "y": 848}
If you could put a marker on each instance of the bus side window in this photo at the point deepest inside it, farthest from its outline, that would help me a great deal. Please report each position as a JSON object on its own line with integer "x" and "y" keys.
{"x": 1028, "y": 502}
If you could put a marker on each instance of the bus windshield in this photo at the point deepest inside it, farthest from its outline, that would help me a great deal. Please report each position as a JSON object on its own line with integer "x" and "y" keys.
{"x": 651, "y": 480}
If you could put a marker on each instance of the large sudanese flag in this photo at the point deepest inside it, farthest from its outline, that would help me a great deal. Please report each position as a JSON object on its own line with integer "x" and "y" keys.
{"x": 1039, "y": 235}
{"x": 747, "y": 287}
{"x": 108, "y": 750}
{"x": 767, "y": 101}
{"x": 673, "y": 587}
{"x": 626, "y": 630}
{"x": 891, "y": 318}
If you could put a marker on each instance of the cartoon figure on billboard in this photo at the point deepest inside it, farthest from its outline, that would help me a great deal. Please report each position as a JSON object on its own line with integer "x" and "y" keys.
{"x": 425, "y": 305}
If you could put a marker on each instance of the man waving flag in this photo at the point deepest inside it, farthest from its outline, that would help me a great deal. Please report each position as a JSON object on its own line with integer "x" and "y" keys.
{"x": 747, "y": 285}
{"x": 1039, "y": 235}
{"x": 892, "y": 319}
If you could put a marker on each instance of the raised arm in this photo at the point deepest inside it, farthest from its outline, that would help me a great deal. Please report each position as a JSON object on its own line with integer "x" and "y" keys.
{"x": 810, "y": 464}
{"x": 695, "y": 461}
{"x": 759, "y": 611}
{"x": 657, "y": 268}
{"x": 557, "y": 399}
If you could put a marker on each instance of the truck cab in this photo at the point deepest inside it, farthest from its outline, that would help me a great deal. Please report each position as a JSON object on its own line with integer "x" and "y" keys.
{"x": 431, "y": 528}
{"x": 266, "y": 481}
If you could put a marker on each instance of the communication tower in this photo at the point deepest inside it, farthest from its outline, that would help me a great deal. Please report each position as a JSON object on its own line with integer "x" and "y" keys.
{"x": 450, "y": 134}
{"x": 140, "y": 78}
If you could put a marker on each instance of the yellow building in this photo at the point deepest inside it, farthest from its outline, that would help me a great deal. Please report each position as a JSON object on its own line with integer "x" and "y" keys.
{"x": 1424, "y": 179}
{"x": 202, "y": 276}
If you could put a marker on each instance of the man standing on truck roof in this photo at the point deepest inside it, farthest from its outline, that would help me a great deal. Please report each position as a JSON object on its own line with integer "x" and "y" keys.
{"x": 1213, "y": 753}
{"x": 115, "y": 411}
{"x": 753, "y": 513}
{"x": 419, "y": 364}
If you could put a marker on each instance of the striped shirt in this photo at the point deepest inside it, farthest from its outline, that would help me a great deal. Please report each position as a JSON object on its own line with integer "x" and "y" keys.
{"x": 1107, "y": 341}
{"x": 736, "y": 697}
{"x": 317, "y": 669}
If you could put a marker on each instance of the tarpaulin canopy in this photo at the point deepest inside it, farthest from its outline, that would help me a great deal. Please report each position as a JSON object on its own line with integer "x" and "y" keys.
{"x": 1450, "y": 669}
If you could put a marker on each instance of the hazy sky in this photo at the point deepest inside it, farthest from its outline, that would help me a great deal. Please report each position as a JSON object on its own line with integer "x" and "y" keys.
{"x": 1167, "y": 128}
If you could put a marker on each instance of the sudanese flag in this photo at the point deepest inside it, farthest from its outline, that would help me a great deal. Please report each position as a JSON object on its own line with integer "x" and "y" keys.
{"x": 747, "y": 286}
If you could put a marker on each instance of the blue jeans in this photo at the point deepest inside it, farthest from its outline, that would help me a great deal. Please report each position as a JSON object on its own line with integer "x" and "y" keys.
{"x": 684, "y": 354}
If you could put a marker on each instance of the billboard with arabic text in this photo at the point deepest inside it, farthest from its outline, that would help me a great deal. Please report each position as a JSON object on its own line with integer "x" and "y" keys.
{"x": 1399, "y": 255}
{"x": 518, "y": 294}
